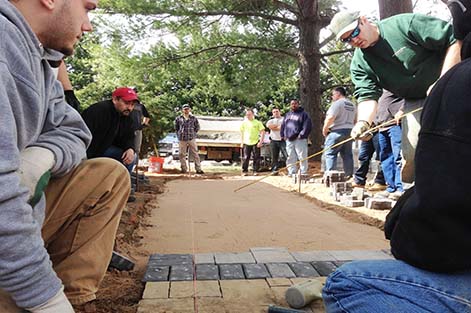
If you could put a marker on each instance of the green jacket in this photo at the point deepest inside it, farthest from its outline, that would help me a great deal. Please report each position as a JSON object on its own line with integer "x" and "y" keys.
{"x": 406, "y": 60}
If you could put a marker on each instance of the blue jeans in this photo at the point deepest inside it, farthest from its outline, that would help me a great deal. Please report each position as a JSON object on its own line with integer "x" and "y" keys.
{"x": 297, "y": 150}
{"x": 393, "y": 286}
{"x": 116, "y": 153}
{"x": 367, "y": 148}
{"x": 277, "y": 146}
{"x": 345, "y": 151}
{"x": 390, "y": 156}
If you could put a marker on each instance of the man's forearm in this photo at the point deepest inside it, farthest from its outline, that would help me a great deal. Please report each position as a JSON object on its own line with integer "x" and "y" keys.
{"x": 452, "y": 56}
{"x": 367, "y": 111}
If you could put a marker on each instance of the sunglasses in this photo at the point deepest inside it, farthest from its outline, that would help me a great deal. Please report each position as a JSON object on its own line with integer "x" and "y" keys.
{"x": 354, "y": 34}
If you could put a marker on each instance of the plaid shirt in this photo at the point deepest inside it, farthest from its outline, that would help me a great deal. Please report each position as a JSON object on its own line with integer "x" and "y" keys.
{"x": 186, "y": 129}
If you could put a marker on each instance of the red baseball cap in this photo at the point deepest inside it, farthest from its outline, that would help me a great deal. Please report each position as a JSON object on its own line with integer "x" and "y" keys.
{"x": 125, "y": 93}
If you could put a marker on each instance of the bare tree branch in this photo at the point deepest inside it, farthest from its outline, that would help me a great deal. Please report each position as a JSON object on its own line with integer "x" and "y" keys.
{"x": 328, "y": 54}
{"x": 327, "y": 40}
{"x": 286, "y": 6}
{"x": 226, "y": 46}
{"x": 241, "y": 14}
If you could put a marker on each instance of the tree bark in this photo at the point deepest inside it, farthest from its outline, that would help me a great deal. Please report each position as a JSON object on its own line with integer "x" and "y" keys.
{"x": 389, "y": 8}
{"x": 309, "y": 64}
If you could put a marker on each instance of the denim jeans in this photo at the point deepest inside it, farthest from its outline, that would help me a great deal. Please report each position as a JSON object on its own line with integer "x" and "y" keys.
{"x": 367, "y": 148}
{"x": 117, "y": 154}
{"x": 393, "y": 286}
{"x": 248, "y": 150}
{"x": 297, "y": 150}
{"x": 390, "y": 156}
{"x": 277, "y": 146}
{"x": 345, "y": 151}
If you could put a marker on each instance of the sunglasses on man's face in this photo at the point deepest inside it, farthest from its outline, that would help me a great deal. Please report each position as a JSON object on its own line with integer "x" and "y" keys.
{"x": 354, "y": 34}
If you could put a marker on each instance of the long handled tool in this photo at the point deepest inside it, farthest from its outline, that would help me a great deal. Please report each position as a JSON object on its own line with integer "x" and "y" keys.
{"x": 325, "y": 149}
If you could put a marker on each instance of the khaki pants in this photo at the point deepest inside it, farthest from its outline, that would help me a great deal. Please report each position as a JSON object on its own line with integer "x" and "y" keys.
{"x": 83, "y": 210}
{"x": 410, "y": 137}
{"x": 191, "y": 144}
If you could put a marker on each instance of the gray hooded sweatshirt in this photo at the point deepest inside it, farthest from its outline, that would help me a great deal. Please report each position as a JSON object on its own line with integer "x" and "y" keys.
{"x": 33, "y": 113}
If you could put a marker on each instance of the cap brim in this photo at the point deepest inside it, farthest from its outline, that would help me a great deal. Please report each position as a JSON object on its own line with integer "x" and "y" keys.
{"x": 130, "y": 98}
{"x": 346, "y": 29}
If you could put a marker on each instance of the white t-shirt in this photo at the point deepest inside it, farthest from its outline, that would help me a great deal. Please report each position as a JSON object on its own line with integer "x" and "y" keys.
{"x": 275, "y": 134}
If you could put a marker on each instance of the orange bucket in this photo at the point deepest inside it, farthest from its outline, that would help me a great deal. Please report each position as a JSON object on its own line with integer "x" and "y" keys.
{"x": 156, "y": 164}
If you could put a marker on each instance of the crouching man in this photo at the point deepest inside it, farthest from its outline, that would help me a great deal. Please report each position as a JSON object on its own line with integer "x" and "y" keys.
{"x": 58, "y": 213}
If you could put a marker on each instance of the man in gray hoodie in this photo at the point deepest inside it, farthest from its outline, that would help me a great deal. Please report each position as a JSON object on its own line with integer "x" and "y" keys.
{"x": 54, "y": 252}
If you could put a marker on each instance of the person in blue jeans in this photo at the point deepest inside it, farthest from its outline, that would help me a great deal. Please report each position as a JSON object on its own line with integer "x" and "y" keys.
{"x": 367, "y": 150}
{"x": 338, "y": 123}
{"x": 430, "y": 226}
{"x": 390, "y": 107}
{"x": 295, "y": 130}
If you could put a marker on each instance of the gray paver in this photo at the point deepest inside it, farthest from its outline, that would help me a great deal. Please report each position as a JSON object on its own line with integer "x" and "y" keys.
{"x": 254, "y": 271}
{"x": 204, "y": 258}
{"x": 302, "y": 269}
{"x": 352, "y": 203}
{"x": 341, "y": 255}
{"x": 378, "y": 203}
{"x": 181, "y": 272}
{"x": 369, "y": 255}
{"x": 324, "y": 268}
{"x": 170, "y": 259}
{"x": 280, "y": 270}
{"x": 156, "y": 274}
{"x": 207, "y": 272}
{"x": 310, "y": 256}
{"x": 272, "y": 255}
{"x": 234, "y": 258}
{"x": 340, "y": 263}
{"x": 231, "y": 271}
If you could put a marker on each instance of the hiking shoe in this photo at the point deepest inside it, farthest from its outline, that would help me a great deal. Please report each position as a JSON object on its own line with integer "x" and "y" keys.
{"x": 357, "y": 185}
{"x": 245, "y": 174}
{"x": 395, "y": 195}
{"x": 377, "y": 187}
{"x": 199, "y": 172}
{"x": 183, "y": 171}
{"x": 131, "y": 199}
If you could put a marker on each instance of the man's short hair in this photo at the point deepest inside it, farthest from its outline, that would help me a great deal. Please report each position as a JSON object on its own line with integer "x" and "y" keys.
{"x": 249, "y": 110}
{"x": 341, "y": 90}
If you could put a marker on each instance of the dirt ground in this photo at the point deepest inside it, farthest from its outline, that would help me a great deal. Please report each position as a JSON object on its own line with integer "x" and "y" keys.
{"x": 223, "y": 221}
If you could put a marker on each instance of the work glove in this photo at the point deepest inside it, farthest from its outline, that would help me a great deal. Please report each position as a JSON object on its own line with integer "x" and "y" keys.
{"x": 34, "y": 171}
{"x": 57, "y": 304}
{"x": 360, "y": 131}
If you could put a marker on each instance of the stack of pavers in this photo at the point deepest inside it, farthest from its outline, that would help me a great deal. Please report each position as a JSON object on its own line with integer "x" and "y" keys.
{"x": 259, "y": 263}
{"x": 344, "y": 193}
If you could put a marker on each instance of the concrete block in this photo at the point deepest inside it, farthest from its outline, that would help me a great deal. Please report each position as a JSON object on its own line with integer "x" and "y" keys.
{"x": 341, "y": 187}
{"x": 280, "y": 270}
{"x": 156, "y": 274}
{"x": 272, "y": 255}
{"x": 279, "y": 282}
{"x": 353, "y": 203}
{"x": 156, "y": 290}
{"x": 378, "y": 203}
{"x": 181, "y": 272}
{"x": 303, "y": 269}
{"x": 234, "y": 258}
{"x": 324, "y": 268}
{"x": 359, "y": 193}
{"x": 207, "y": 272}
{"x": 170, "y": 259}
{"x": 231, "y": 271}
{"x": 252, "y": 291}
{"x": 348, "y": 197}
{"x": 204, "y": 258}
{"x": 310, "y": 256}
{"x": 341, "y": 255}
{"x": 255, "y": 271}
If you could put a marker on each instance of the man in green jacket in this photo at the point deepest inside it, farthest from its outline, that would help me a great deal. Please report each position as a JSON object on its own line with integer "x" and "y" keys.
{"x": 405, "y": 54}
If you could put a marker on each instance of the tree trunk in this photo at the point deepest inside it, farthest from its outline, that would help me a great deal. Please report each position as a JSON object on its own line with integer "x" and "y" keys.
{"x": 309, "y": 63}
{"x": 389, "y": 8}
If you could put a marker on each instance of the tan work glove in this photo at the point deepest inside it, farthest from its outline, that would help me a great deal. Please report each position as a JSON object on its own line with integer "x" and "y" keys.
{"x": 360, "y": 131}
{"x": 57, "y": 304}
{"x": 34, "y": 171}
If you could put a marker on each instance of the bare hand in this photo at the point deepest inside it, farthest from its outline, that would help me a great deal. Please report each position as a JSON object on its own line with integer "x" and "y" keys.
{"x": 128, "y": 156}
{"x": 398, "y": 116}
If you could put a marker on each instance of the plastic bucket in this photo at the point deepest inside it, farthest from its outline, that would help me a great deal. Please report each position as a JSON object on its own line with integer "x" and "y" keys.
{"x": 156, "y": 164}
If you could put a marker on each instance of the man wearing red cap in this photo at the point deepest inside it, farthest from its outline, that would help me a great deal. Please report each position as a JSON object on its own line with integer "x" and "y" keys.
{"x": 112, "y": 127}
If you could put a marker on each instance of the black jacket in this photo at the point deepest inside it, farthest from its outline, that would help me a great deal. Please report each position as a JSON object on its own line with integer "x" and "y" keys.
{"x": 108, "y": 128}
{"x": 430, "y": 226}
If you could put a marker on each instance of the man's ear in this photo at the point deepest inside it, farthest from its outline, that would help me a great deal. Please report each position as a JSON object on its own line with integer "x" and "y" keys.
{"x": 48, "y": 4}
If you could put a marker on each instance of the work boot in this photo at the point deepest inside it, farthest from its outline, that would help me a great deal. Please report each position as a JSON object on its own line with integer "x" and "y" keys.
{"x": 199, "y": 171}
{"x": 183, "y": 171}
{"x": 377, "y": 187}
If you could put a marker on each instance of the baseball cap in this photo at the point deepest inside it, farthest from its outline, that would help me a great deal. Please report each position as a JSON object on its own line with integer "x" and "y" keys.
{"x": 186, "y": 106}
{"x": 343, "y": 22}
{"x": 125, "y": 93}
